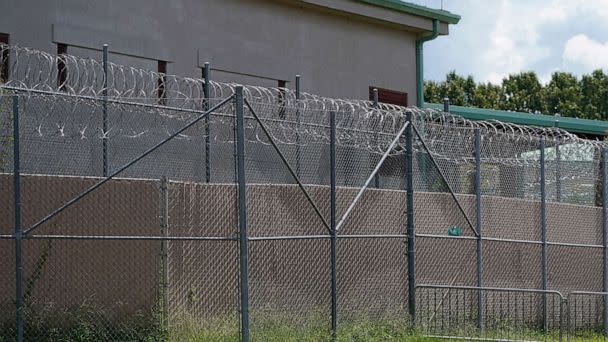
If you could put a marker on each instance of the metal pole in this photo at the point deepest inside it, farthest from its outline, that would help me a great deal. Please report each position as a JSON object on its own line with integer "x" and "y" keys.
{"x": 480, "y": 313}
{"x": 558, "y": 171}
{"x": 603, "y": 162}
{"x": 18, "y": 232}
{"x": 409, "y": 175}
{"x": 104, "y": 111}
{"x": 334, "y": 256}
{"x": 446, "y": 104}
{"x": 568, "y": 320}
{"x": 206, "y": 91}
{"x": 375, "y": 91}
{"x": 164, "y": 231}
{"x": 298, "y": 77}
{"x": 376, "y": 106}
{"x": 244, "y": 253}
{"x": 563, "y": 320}
{"x": 543, "y": 228}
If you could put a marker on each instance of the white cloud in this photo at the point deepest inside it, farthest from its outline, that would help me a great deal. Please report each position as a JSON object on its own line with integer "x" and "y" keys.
{"x": 500, "y": 37}
{"x": 585, "y": 52}
{"x": 514, "y": 41}
{"x": 494, "y": 77}
{"x": 592, "y": 8}
{"x": 555, "y": 14}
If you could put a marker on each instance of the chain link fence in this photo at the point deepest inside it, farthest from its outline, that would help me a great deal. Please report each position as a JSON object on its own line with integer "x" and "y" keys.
{"x": 144, "y": 206}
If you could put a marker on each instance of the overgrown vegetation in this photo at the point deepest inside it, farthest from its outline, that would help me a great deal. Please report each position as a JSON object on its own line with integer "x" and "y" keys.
{"x": 85, "y": 323}
{"x": 312, "y": 329}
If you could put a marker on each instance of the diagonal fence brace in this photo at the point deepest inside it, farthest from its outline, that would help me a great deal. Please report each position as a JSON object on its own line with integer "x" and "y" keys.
{"x": 291, "y": 171}
{"x": 124, "y": 167}
{"x": 466, "y": 217}
{"x": 371, "y": 176}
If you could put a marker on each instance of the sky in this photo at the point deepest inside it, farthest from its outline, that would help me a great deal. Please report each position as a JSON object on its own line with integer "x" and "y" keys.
{"x": 496, "y": 38}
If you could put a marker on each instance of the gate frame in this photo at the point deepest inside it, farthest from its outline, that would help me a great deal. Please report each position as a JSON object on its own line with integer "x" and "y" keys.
{"x": 564, "y": 308}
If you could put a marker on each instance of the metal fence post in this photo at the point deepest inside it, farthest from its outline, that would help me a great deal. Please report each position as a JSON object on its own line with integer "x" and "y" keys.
{"x": 243, "y": 239}
{"x": 480, "y": 313}
{"x": 543, "y": 229}
{"x": 104, "y": 111}
{"x": 164, "y": 231}
{"x": 409, "y": 175}
{"x": 334, "y": 256}
{"x": 298, "y": 77}
{"x": 603, "y": 162}
{"x": 206, "y": 92}
{"x": 446, "y": 104}
{"x": 376, "y": 106}
{"x": 375, "y": 98}
{"x": 563, "y": 307}
{"x": 558, "y": 171}
{"x": 18, "y": 232}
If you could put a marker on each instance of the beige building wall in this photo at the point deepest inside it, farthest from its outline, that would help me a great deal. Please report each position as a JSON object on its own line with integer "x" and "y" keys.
{"x": 340, "y": 47}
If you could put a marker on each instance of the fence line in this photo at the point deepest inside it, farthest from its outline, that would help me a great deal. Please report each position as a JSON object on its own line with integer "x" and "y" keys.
{"x": 226, "y": 211}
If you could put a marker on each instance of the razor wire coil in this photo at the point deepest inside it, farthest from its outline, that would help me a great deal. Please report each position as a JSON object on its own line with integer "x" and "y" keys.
{"x": 70, "y": 81}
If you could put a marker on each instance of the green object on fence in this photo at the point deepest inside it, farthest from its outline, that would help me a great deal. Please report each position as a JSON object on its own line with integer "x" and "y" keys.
{"x": 454, "y": 231}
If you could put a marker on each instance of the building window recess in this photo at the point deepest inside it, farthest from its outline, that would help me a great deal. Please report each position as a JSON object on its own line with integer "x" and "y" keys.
{"x": 62, "y": 70}
{"x": 4, "y": 58}
{"x": 162, "y": 91}
{"x": 281, "y": 84}
{"x": 394, "y": 97}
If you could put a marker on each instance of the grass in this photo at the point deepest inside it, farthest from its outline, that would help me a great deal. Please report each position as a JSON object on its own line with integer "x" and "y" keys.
{"x": 278, "y": 330}
{"x": 84, "y": 323}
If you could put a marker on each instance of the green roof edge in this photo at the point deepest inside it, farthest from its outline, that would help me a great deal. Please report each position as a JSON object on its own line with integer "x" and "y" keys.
{"x": 422, "y": 11}
{"x": 573, "y": 125}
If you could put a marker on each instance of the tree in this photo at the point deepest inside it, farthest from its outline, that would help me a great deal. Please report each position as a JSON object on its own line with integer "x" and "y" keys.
{"x": 432, "y": 92}
{"x": 459, "y": 90}
{"x": 454, "y": 88}
{"x": 522, "y": 93}
{"x": 487, "y": 95}
{"x": 594, "y": 95}
{"x": 470, "y": 89}
{"x": 562, "y": 95}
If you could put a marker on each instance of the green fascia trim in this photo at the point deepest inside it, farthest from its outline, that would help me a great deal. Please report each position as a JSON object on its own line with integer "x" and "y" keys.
{"x": 418, "y": 10}
{"x": 573, "y": 125}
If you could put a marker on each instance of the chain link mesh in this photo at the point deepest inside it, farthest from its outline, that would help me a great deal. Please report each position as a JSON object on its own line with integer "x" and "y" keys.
{"x": 154, "y": 253}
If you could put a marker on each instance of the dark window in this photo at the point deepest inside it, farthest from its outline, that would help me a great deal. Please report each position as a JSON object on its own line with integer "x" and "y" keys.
{"x": 62, "y": 71}
{"x": 282, "y": 85}
{"x": 204, "y": 76}
{"x": 389, "y": 96}
{"x": 162, "y": 71}
{"x": 4, "y": 58}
